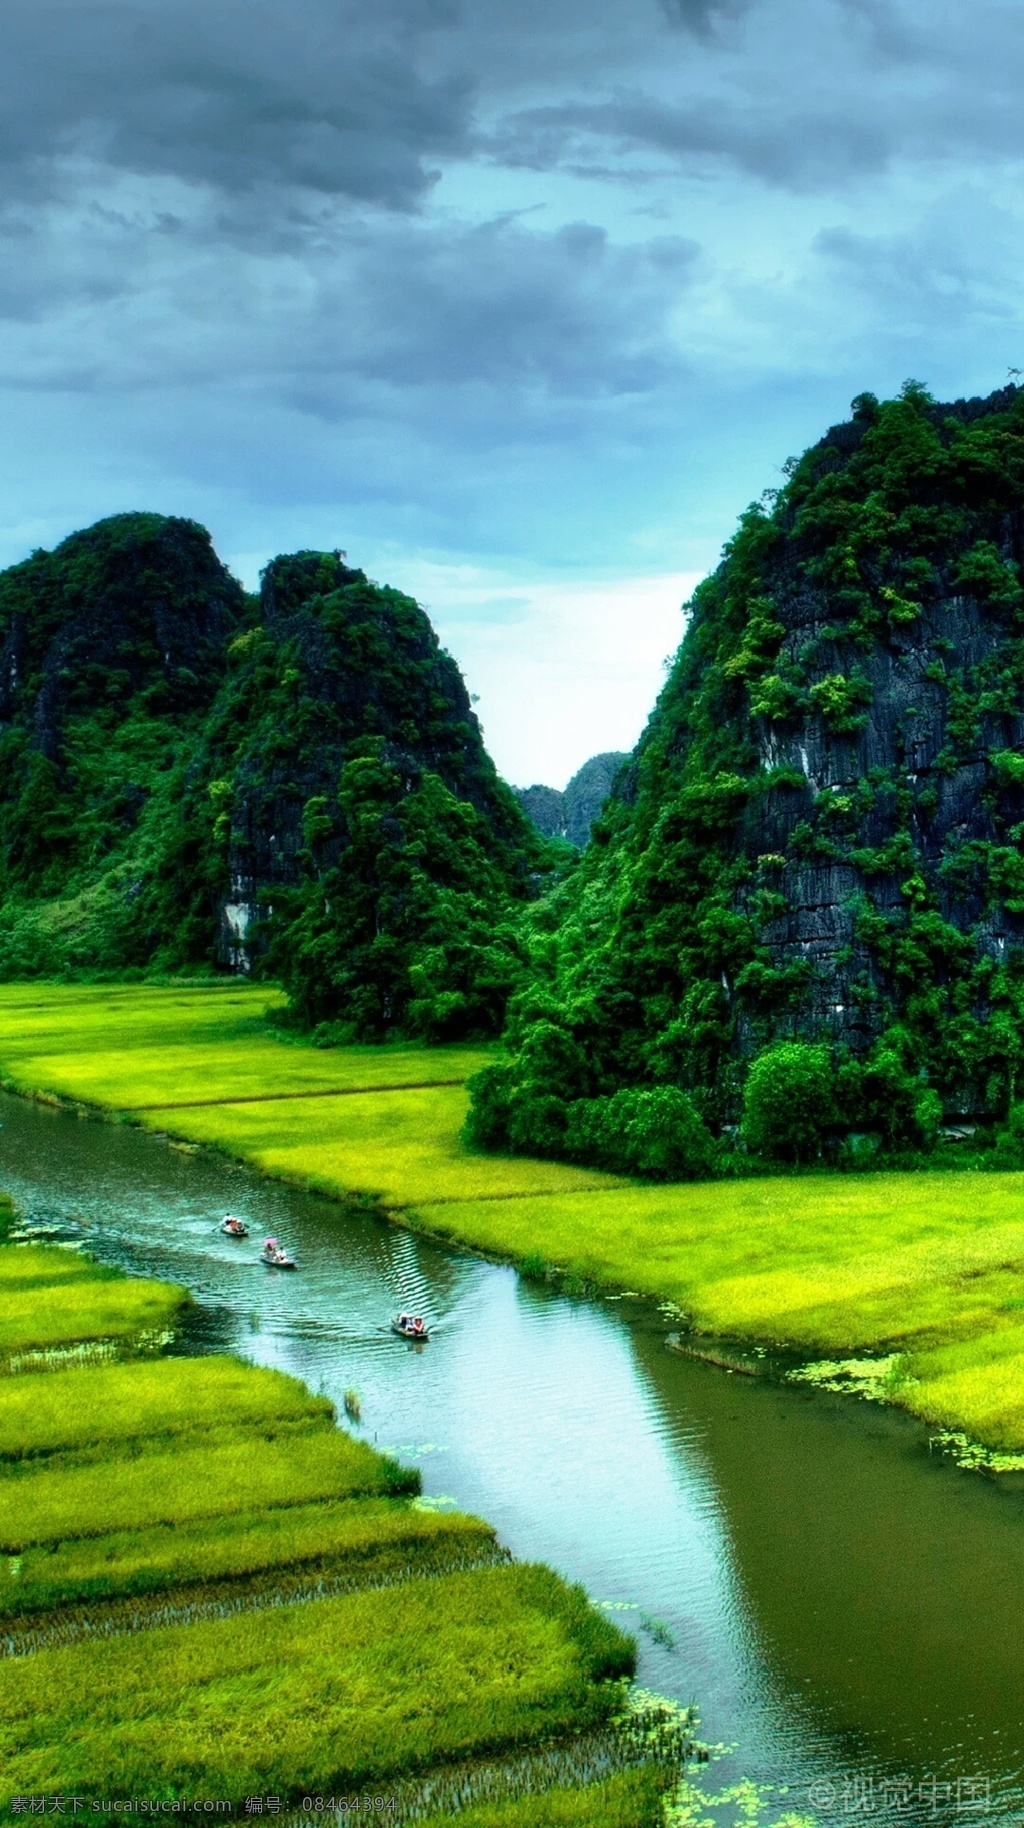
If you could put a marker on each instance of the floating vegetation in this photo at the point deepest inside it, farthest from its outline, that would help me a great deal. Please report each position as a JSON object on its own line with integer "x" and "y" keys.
{"x": 353, "y": 1406}
{"x": 747, "y": 1803}
{"x": 875, "y": 1379}
{"x": 972, "y": 1456}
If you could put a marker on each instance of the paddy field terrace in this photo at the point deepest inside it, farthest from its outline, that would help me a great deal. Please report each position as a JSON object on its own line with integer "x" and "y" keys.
{"x": 209, "y": 1590}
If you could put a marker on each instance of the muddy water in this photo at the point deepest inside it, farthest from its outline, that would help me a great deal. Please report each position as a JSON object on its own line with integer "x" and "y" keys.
{"x": 847, "y": 1611}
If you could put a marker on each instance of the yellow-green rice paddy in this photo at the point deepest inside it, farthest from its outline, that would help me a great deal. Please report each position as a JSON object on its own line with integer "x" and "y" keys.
{"x": 209, "y": 1590}
{"x": 925, "y": 1270}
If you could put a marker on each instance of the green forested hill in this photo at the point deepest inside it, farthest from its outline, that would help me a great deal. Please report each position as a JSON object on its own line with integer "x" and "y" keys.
{"x": 819, "y": 839}
{"x": 294, "y": 782}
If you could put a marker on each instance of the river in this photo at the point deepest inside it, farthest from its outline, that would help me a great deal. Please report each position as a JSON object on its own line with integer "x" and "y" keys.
{"x": 845, "y": 1608}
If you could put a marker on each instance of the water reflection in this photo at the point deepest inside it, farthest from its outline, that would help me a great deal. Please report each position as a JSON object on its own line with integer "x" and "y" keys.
{"x": 841, "y": 1609}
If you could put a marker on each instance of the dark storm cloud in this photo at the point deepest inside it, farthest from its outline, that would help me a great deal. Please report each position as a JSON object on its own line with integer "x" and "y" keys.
{"x": 315, "y": 94}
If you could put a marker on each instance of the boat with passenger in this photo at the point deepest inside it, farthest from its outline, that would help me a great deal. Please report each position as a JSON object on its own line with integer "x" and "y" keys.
{"x": 232, "y": 1227}
{"x": 410, "y": 1326}
{"x": 275, "y": 1256}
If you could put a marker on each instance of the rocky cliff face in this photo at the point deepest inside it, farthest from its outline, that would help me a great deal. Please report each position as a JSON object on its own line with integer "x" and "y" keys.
{"x": 571, "y": 814}
{"x": 821, "y": 835}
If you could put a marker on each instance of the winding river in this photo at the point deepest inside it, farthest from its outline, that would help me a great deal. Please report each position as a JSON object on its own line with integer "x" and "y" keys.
{"x": 846, "y": 1610}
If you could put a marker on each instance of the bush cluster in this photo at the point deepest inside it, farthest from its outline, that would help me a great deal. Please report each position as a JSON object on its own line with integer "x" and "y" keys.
{"x": 652, "y": 1131}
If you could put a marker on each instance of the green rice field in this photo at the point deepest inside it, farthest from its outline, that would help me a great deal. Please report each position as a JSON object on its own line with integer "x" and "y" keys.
{"x": 368, "y": 1637}
{"x": 47, "y": 1501}
{"x": 922, "y": 1270}
{"x": 71, "y": 1309}
{"x": 369, "y": 1537}
{"x": 328, "y": 1693}
{"x": 114, "y": 1406}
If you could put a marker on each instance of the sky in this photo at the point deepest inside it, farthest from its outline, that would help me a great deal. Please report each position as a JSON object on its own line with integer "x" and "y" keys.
{"x": 519, "y": 306}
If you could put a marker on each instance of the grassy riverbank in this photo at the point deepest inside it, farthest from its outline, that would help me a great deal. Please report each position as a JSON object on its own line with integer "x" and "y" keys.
{"x": 214, "y": 1592}
{"x": 921, "y": 1273}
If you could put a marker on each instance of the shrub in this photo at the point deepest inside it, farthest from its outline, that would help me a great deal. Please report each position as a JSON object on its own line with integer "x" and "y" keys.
{"x": 524, "y": 1105}
{"x": 490, "y": 1091}
{"x": 653, "y": 1131}
{"x": 789, "y": 1102}
{"x": 893, "y": 1099}
{"x": 839, "y": 700}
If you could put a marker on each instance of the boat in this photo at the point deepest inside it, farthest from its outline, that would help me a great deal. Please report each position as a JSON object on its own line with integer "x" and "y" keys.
{"x": 410, "y": 1326}
{"x": 275, "y": 1256}
{"x": 232, "y": 1227}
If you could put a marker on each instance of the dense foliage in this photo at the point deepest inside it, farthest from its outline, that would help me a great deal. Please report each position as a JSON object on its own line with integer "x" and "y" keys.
{"x": 112, "y": 652}
{"x": 294, "y": 784}
{"x": 819, "y": 839}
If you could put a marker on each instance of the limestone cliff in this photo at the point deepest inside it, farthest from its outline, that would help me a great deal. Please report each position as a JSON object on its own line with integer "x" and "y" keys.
{"x": 821, "y": 834}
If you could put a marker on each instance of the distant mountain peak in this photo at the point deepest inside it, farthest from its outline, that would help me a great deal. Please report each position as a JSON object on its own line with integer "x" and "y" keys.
{"x": 572, "y": 813}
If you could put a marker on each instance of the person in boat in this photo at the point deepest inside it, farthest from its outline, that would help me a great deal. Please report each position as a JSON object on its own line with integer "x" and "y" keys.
{"x": 417, "y": 1325}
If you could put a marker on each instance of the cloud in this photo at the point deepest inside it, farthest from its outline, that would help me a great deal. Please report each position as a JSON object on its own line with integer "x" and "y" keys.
{"x": 498, "y": 314}
{"x": 330, "y": 96}
{"x": 803, "y": 148}
{"x": 811, "y": 95}
{"x": 572, "y": 672}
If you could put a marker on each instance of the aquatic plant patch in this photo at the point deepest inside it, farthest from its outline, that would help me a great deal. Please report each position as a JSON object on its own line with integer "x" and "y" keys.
{"x": 87, "y": 1307}
{"x": 371, "y": 1538}
{"x": 60, "y": 1411}
{"x": 50, "y": 1501}
{"x": 298, "y": 1698}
